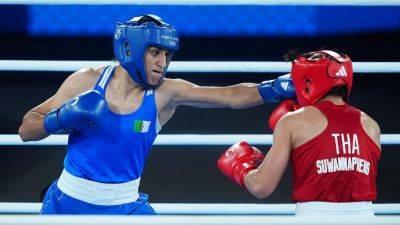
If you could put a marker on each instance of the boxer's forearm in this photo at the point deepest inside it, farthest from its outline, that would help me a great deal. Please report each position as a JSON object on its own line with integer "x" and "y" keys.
{"x": 32, "y": 128}
{"x": 254, "y": 184}
{"x": 244, "y": 95}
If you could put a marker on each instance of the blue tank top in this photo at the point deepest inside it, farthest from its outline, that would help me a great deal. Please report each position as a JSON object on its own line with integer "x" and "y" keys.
{"x": 117, "y": 151}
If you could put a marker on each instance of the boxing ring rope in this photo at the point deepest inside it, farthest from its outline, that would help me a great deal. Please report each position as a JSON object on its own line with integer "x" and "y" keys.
{"x": 202, "y": 209}
{"x": 195, "y": 220}
{"x": 190, "y": 66}
{"x": 179, "y": 139}
{"x": 210, "y": 2}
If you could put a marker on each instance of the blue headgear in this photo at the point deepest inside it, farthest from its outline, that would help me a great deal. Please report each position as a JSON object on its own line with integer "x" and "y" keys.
{"x": 132, "y": 39}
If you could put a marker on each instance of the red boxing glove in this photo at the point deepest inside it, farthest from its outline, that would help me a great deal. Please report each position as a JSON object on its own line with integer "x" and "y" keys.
{"x": 238, "y": 160}
{"x": 283, "y": 108}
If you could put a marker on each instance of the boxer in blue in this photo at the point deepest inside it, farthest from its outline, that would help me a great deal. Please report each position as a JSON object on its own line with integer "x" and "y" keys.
{"x": 114, "y": 113}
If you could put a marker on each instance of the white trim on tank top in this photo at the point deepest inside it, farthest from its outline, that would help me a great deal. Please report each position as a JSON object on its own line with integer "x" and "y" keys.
{"x": 104, "y": 79}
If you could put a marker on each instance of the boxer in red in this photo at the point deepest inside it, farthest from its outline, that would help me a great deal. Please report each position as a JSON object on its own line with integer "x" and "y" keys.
{"x": 334, "y": 148}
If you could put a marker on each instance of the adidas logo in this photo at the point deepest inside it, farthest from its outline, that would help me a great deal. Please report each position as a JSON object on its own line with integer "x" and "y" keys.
{"x": 284, "y": 85}
{"x": 342, "y": 72}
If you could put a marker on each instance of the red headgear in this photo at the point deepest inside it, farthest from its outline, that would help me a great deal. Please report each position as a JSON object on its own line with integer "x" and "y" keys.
{"x": 314, "y": 76}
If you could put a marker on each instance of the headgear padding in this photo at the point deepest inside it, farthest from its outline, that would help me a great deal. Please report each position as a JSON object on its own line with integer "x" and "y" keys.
{"x": 315, "y": 73}
{"x": 132, "y": 38}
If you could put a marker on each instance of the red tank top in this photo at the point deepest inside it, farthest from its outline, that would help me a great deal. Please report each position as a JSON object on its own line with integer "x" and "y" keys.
{"x": 338, "y": 165}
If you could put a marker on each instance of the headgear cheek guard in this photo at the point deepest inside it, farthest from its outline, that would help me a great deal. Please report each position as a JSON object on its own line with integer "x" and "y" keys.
{"x": 314, "y": 76}
{"x": 134, "y": 37}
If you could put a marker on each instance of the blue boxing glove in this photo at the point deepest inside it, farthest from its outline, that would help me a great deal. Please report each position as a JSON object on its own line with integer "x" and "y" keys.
{"x": 77, "y": 114}
{"x": 277, "y": 90}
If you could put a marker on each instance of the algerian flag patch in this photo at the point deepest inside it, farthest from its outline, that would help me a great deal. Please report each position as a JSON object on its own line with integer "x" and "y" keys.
{"x": 141, "y": 126}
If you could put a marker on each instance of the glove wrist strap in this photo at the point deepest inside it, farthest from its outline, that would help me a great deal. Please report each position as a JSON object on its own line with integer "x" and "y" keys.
{"x": 266, "y": 91}
{"x": 51, "y": 123}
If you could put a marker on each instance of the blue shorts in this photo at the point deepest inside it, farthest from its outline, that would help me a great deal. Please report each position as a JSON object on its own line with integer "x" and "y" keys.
{"x": 56, "y": 202}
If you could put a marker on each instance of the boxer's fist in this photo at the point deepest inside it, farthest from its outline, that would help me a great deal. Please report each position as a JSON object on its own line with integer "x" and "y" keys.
{"x": 277, "y": 90}
{"x": 238, "y": 160}
{"x": 283, "y": 108}
{"x": 77, "y": 114}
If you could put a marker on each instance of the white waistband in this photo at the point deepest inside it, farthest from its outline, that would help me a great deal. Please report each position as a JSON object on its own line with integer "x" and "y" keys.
{"x": 332, "y": 208}
{"x": 98, "y": 193}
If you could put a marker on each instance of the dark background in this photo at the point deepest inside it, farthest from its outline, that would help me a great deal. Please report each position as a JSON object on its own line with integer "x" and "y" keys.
{"x": 189, "y": 173}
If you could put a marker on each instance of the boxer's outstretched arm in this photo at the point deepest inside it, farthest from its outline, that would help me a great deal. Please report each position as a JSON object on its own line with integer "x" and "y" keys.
{"x": 32, "y": 128}
{"x": 262, "y": 181}
{"x": 237, "y": 96}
